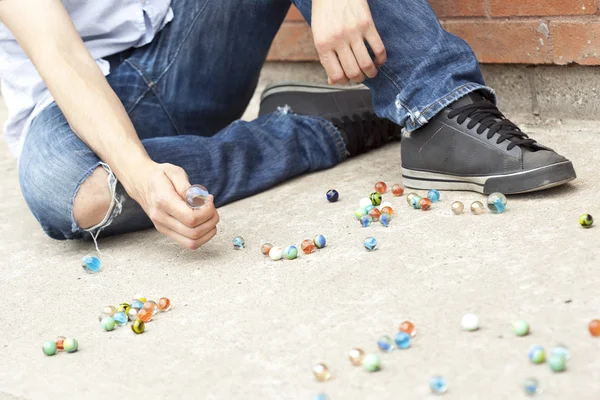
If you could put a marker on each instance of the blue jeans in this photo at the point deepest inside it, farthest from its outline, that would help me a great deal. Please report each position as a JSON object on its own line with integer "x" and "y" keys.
{"x": 187, "y": 89}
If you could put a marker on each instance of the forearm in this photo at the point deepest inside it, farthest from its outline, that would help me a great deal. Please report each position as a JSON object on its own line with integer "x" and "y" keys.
{"x": 45, "y": 31}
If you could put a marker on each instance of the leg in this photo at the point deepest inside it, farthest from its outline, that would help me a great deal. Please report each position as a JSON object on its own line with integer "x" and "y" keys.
{"x": 241, "y": 160}
{"x": 427, "y": 68}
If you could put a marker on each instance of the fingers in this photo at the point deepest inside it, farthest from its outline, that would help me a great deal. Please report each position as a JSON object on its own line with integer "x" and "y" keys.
{"x": 194, "y": 233}
{"x": 351, "y": 68}
{"x": 185, "y": 241}
{"x": 372, "y": 37}
{"x": 334, "y": 70}
{"x": 179, "y": 178}
{"x": 363, "y": 59}
{"x": 177, "y": 208}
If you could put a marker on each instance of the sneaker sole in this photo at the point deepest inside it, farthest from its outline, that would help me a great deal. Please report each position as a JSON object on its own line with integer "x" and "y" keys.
{"x": 518, "y": 182}
{"x": 306, "y": 88}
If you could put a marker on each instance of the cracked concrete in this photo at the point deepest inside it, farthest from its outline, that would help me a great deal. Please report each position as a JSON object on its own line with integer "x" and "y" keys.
{"x": 245, "y": 327}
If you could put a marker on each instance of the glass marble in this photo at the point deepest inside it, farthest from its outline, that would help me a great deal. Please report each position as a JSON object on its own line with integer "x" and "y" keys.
{"x": 397, "y": 190}
{"x": 321, "y": 372}
{"x": 265, "y": 248}
{"x": 370, "y": 243}
{"x": 586, "y": 220}
{"x": 332, "y": 195}
{"x": 415, "y": 201}
{"x": 536, "y": 354}
{"x": 409, "y": 198}
{"x": 438, "y": 385}
{"x": 321, "y": 396}
{"x": 458, "y": 207}
{"x": 557, "y": 363}
{"x": 108, "y": 324}
{"x": 356, "y": 356}
{"x": 124, "y": 307}
{"x": 107, "y": 311}
{"x": 561, "y": 350}
{"x": 380, "y": 187}
{"x": 385, "y": 204}
{"x": 276, "y": 253}
{"x": 360, "y": 212}
{"x": 402, "y": 340}
{"x": 164, "y": 304}
{"x": 138, "y": 326}
{"x": 375, "y": 198}
{"x": 594, "y": 327}
{"x": 144, "y": 315}
{"x": 60, "y": 342}
{"x": 408, "y": 327}
{"x": 387, "y": 210}
{"x": 137, "y": 304}
{"x": 365, "y": 221}
{"x": 425, "y": 204}
{"x": 71, "y": 345}
{"x": 290, "y": 252}
{"x": 520, "y": 328}
{"x": 496, "y": 202}
{"x": 433, "y": 195}
{"x": 369, "y": 208}
{"x": 238, "y": 242}
{"x": 477, "y": 208}
{"x": 307, "y": 246}
{"x": 120, "y": 318}
{"x": 196, "y": 196}
{"x": 531, "y": 387}
{"x": 371, "y": 363}
{"x": 365, "y": 202}
{"x": 90, "y": 264}
{"x": 49, "y": 348}
{"x": 375, "y": 214}
{"x": 132, "y": 314}
{"x": 385, "y": 343}
{"x": 319, "y": 241}
{"x": 385, "y": 219}
{"x": 151, "y": 306}
{"x": 470, "y": 322}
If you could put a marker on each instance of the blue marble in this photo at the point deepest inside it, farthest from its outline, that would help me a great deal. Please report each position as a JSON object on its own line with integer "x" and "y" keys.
{"x": 137, "y": 304}
{"x": 290, "y": 252}
{"x": 496, "y": 202}
{"x": 332, "y": 195}
{"x": 370, "y": 243}
{"x": 385, "y": 343}
{"x": 433, "y": 195}
{"x": 438, "y": 385}
{"x": 402, "y": 340}
{"x": 319, "y": 241}
{"x": 366, "y": 221}
{"x": 385, "y": 219}
{"x": 321, "y": 396}
{"x": 120, "y": 318}
{"x": 531, "y": 386}
{"x": 90, "y": 264}
{"x": 238, "y": 242}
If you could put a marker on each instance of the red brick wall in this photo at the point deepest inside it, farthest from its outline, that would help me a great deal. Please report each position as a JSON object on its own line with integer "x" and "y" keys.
{"x": 500, "y": 31}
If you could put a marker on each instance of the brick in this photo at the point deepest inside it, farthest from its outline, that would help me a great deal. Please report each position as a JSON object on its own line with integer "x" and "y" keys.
{"x": 576, "y": 42}
{"x": 294, "y": 42}
{"x": 294, "y": 15}
{"x": 508, "y": 8}
{"x": 522, "y": 42}
{"x": 458, "y": 8}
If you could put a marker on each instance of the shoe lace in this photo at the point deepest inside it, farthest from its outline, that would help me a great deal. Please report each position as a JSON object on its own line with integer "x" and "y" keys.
{"x": 366, "y": 131}
{"x": 489, "y": 117}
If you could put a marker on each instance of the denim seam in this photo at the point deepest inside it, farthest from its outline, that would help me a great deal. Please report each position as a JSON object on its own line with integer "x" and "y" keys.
{"x": 336, "y": 135}
{"x": 162, "y": 104}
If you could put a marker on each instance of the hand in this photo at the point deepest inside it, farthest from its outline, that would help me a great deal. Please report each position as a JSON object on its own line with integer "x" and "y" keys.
{"x": 340, "y": 29}
{"x": 161, "y": 191}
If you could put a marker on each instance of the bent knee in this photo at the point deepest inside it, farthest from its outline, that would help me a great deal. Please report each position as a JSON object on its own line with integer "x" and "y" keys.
{"x": 93, "y": 199}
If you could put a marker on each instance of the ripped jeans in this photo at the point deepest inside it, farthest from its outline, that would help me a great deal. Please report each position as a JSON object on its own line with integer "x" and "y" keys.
{"x": 185, "y": 92}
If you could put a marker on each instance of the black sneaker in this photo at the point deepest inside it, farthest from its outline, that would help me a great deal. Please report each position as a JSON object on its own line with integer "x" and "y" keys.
{"x": 470, "y": 145}
{"x": 350, "y": 109}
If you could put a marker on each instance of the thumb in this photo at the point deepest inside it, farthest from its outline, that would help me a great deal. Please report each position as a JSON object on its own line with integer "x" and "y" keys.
{"x": 179, "y": 179}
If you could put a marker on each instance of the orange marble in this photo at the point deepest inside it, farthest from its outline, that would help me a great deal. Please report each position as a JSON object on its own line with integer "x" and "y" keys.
{"x": 144, "y": 315}
{"x": 388, "y": 210}
{"x": 397, "y": 190}
{"x": 425, "y": 204}
{"x": 164, "y": 304}
{"x": 308, "y": 246}
{"x": 408, "y": 327}
{"x": 380, "y": 187}
{"x": 594, "y": 327}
